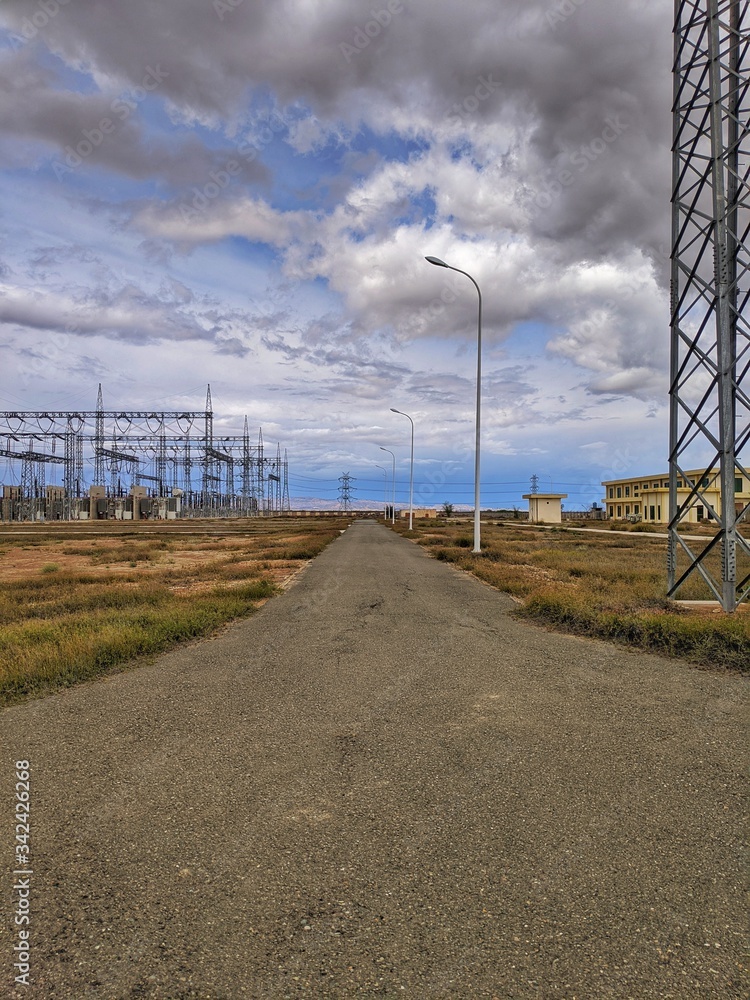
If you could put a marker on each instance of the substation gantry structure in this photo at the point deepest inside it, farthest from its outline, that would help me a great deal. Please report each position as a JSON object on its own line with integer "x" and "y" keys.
{"x": 710, "y": 284}
{"x": 165, "y": 453}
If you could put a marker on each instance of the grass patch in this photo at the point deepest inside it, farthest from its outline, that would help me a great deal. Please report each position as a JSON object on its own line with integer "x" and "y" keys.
{"x": 612, "y": 588}
{"x": 39, "y": 655}
{"x": 62, "y": 626}
{"x": 722, "y": 643}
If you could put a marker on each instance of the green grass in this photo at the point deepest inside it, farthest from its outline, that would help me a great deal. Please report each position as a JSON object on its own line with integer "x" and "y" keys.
{"x": 610, "y": 587}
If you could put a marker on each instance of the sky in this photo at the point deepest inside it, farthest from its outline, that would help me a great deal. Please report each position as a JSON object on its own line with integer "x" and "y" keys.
{"x": 243, "y": 192}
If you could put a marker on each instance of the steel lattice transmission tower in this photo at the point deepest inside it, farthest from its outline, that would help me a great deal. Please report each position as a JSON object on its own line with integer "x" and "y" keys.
{"x": 345, "y": 491}
{"x": 710, "y": 335}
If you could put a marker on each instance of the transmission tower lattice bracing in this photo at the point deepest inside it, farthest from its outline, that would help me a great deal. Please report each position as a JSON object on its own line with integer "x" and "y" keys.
{"x": 170, "y": 453}
{"x": 345, "y": 491}
{"x": 710, "y": 283}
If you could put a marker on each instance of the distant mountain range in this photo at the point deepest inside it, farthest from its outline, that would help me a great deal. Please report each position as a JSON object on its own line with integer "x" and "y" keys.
{"x": 315, "y": 503}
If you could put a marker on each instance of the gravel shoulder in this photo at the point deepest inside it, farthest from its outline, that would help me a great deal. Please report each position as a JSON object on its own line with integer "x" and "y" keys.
{"x": 383, "y": 785}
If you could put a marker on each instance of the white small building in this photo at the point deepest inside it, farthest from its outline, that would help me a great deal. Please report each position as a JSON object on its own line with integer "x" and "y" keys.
{"x": 545, "y": 508}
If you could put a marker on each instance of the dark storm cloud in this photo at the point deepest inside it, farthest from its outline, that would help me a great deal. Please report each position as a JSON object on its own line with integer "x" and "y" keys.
{"x": 561, "y": 71}
{"x": 103, "y": 130}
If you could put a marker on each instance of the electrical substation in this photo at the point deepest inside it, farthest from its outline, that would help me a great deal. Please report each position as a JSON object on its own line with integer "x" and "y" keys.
{"x": 135, "y": 464}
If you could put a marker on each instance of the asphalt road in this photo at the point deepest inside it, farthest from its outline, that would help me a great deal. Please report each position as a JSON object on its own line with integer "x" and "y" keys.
{"x": 382, "y": 785}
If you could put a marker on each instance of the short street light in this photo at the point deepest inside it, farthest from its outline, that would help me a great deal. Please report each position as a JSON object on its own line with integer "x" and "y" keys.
{"x": 411, "y": 473}
{"x": 393, "y": 483}
{"x": 441, "y": 263}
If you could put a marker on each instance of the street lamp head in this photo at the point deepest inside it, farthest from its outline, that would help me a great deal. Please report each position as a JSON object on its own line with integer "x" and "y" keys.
{"x": 394, "y": 410}
{"x": 437, "y": 261}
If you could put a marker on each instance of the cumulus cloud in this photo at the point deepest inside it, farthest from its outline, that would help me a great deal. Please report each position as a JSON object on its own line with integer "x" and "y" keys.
{"x": 505, "y": 80}
{"x": 327, "y": 151}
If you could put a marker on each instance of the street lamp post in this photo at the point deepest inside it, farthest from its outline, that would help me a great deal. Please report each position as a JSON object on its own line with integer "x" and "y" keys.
{"x": 393, "y": 484}
{"x": 441, "y": 263}
{"x": 385, "y": 492}
{"x": 411, "y": 471}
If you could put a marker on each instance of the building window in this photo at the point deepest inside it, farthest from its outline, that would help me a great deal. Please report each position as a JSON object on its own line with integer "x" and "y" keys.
{"x": 611, "y": 511}
{"x": 636, "y": 508}
{"x": 679, "y": 484}
{"x": 611, "y": 492}
{"x": 658, "y": 507}
{"x": 627, "y": 510}
{"x": 627, "y": 491}
{"x": 653, "y": 518}
{"x": 644, "y": 486}
{"x": 699, "y": 512}
{"x": 656, "y": 486}
{"x": 619, "y": 510}
{"x": 704, "y": 481}
{"x": 619, "y": 492}
{"x": 738, "y": 484}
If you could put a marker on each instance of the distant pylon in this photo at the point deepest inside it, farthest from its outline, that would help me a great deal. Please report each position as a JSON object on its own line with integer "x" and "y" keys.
{"x": 345, "y": 491}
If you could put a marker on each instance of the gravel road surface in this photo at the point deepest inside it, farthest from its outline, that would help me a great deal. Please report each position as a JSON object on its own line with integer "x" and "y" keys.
{"x": 382, "y": 785}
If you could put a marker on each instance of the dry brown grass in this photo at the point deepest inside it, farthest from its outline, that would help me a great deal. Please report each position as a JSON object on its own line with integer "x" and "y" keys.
{"x": 76, "y": 601}
{"x": 611, "y": 586}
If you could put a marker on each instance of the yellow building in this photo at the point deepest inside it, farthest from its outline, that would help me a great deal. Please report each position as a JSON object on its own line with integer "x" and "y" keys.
{"x": 419, "y": 512}
{"x": 646, "y": 498}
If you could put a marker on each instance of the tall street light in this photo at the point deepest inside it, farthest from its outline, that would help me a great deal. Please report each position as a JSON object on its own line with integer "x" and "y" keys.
{"x": 441, "y": 263}
{"x": 393, "y": 484}
{"x": 411, "y": 472}
{"x": 385, "y": 492}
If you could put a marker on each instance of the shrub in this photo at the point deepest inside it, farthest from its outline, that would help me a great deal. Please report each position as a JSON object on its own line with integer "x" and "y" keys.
{"x": 446, "y": 555}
